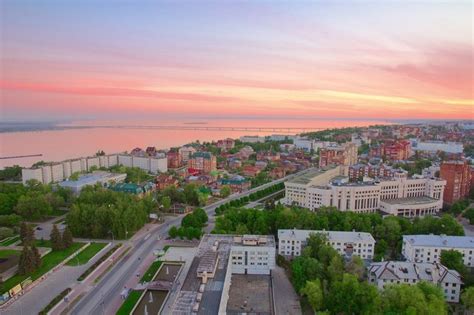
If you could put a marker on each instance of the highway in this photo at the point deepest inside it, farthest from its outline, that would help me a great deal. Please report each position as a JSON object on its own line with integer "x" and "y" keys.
{"x": 97, "y": 300}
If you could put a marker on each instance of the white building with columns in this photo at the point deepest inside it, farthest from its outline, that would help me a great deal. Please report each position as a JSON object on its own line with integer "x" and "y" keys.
{"x": 400, "y": 195}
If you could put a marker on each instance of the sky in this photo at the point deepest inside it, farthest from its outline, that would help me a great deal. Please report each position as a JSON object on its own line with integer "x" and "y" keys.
{"x": 112, "y": 59}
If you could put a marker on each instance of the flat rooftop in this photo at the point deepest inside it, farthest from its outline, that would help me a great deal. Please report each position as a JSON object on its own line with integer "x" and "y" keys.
{"x": 440, "y": 241}
{"x": 306, "y": 178}
{"x": 338, "y": 236}
{"x": 410, "y": 201}
{"x": 250, "y": 294}
{"x": 88, "y": 179}
{"x": 254, "y": 240}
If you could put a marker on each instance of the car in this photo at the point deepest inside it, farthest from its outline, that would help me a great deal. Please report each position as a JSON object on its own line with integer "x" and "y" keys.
{"x": 39, "y": 228}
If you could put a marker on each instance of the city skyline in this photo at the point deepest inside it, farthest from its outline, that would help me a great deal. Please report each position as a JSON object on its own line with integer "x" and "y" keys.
{"x": 357, "y": 60}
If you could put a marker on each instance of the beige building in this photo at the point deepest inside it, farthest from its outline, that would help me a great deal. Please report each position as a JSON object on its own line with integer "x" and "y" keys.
{"x": 400, "y": 195}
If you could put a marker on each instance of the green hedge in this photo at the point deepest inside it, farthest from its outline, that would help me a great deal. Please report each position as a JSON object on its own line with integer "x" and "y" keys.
{"x": 54, "y": 301}
{"x": 252, "y": 197}
{"x": 98, "y": 262}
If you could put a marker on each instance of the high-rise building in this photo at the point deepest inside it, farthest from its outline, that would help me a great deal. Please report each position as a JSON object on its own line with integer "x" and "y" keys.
{"x": 458, "y": 180}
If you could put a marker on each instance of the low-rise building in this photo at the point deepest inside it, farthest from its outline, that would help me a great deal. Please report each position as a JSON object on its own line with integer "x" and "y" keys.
{"x": 252, "y": 254}
{"x": 132, "y": 188}
{"x": 250, "y": 171}
{"x": 386, "y": 273}
{"x": 164, "y": 181}
{"x": 236, "y": 183}
{"x": 428, "y": 248}
{"x": 97, "y": 177}
{"x": 292, "y": 242}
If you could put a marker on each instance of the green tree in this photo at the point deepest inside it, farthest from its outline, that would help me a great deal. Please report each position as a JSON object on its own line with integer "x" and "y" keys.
{"x": 67, "y": 239}
{"x": 56, "y": 239}
{"x": 166, "y": 202}
{"x": 27, "y": 234}
{"x": 225, "y": 191}
{"x": 26, "y": 264}
{"x": 173, "y": 232}
{"x": 314, "y": 292}
{"x": 35, "y": 257}
{"x": 350, "y": 296}
{"x": 452, "y": 259}
{"x": 356, "y": 267}
{"x": 414, "y": 299}
{"x": 467, "y": 298}
{"x": 33, "y": 206}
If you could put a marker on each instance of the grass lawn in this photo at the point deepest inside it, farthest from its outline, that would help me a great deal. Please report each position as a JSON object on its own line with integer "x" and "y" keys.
{"x": 129, "y": 303}
{"x": 84, "y": 256}
{"x": 148, "y": 276}
{"x": 48, "y": 262}
{"x": 5, "y": 253}
{"x": 9, "y": 241}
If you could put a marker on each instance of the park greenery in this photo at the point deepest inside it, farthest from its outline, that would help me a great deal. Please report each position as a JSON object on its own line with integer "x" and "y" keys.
{"x": 34, "y": 201}
{"x": 58, "y": 298}
{"x": 103, "y": 213}
{"x": 191, "y": 225}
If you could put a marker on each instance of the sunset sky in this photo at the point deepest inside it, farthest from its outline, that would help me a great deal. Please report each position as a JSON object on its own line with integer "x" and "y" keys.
{"x": 271, "y": 59}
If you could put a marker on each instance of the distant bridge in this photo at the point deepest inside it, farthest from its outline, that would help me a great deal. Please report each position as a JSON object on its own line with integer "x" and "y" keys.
{"x": 19, "y": 156}
{"x": 292, "y": 130}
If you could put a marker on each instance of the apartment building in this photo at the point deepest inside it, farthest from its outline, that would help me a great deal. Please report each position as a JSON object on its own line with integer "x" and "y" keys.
{"x": 458, "y": 180}
{"x": 292, "y": 242}
{"x": 359, "y": 171}
{"x": 57, "y": 172}
{"x": 186, "y": 153}
{"x": 344, "y": 154}
{"x": 393, "y": 150}
{"x": 428, "y": 248}
{"x": 174, "y": 158}
{"x": 436, "y": 146}
{"x": 252, "y": 254}
{"x": 399, "y": 195}
{"x": 204, "y": 162}
{"x": 226, "y": 144}
{"x": 252, "y": 139}
{"x": 401, "y": 272}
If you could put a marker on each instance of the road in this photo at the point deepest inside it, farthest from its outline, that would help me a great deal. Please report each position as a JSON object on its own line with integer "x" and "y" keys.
{"x": 100, "y": 298}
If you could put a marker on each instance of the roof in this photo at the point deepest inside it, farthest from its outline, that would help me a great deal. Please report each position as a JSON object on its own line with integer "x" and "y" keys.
{"x": 440, "y": 241}
{"x": 401, "y": 270}
{"x": 92, "y": 178}
{"x": 410, "y": 201}
{"x": 338, "y": 236}
{"x": 306, "y": 177}
{"x": 206, "y": 155}
{"x": 208, "y": 261}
